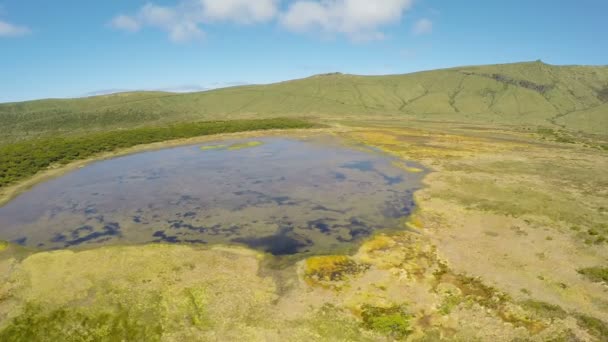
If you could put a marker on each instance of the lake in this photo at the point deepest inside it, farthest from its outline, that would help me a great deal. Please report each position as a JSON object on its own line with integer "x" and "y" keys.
{"x": 279, "y": 195}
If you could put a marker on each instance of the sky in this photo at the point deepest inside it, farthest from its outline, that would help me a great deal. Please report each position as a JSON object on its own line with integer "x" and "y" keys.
{"x": 74, "y": 48}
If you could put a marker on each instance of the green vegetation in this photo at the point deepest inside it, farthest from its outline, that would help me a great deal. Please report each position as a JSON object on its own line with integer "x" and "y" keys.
{"x": 521, "y": 94}
{"x": 161, "y": 295}
{"x": 321, "y": 269}
{"x": 545, "y": 310}
{"x": 212, "y": 147}
{"x": 393, "y": 321}
{"x": 594, "y": 326}
{"x": 489, "y": 187}
{"x": 24, "y": 159}
{"x": 521, "y": 192}
{"x": 595, "y": 274}
{"x": 64, "y": 324}
{"x": 244, "y": 145}
{"x": 330, "y": 323}
{"x": 233, "y": 147}
{"x": 450, "y": 302}
{"x": 471, "y": 289}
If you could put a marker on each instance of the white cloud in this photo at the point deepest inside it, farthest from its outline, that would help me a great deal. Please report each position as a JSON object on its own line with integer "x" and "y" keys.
{"x": 104, "y": 92}
{"x": 357, "y": 19}
{"x": 178, "y": 22}
{"x": 423, "y": 26}
{"x": 185, "y": 88}
{"x": 124, "y": 22}
{"x": 11, "y": 30}
{"x": 183, "y": 32}
{"x": 184, "y": 20}
{"x": 159, "y": 15}
{"x": 240, "y": 11}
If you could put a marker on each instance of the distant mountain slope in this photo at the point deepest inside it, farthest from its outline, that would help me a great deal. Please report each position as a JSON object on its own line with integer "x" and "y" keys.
{"x": 523, "y": 94}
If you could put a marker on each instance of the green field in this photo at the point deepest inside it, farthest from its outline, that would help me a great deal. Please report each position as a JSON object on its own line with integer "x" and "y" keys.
{"x": 574, "y": 98}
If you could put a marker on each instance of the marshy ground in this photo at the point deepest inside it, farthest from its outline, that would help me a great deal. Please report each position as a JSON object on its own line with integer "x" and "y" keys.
{"x": 508, "y": 242}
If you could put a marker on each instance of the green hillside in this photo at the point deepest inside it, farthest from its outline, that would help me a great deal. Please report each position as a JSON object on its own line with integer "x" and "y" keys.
{"x": 521, "y": 94}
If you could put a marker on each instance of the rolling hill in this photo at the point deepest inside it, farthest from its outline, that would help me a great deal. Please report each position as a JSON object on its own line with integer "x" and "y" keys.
{"x": 520, "y": 94}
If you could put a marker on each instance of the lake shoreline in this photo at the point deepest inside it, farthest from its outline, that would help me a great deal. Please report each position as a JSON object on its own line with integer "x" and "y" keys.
{"x": 229, "y": 194}
{"x": 12, "y": 191}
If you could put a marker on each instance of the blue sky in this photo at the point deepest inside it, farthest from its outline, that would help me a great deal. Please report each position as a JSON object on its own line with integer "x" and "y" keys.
{"x": 71, "y": 48}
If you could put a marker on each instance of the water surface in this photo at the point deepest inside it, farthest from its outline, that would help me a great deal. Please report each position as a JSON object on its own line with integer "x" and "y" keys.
{"x": 283, "y": 196}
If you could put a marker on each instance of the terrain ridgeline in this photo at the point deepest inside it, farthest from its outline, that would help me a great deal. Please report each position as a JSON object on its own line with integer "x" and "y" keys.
{"x": 531, "y": 94}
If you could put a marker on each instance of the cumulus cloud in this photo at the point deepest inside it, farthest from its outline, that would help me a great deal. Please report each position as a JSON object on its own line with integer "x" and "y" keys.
{"x": 124, "y": 22}
{"x": 357, "y": 19}
{"x": 180, "y": 23}
{"x": 423, "y": 26}
{"x": 12, "y": 30}
{"x": 183, "y": 21}
{"x": 240, "y": 11}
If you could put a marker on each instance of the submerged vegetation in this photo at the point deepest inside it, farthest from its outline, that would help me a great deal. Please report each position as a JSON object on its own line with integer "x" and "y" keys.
{"x": 244, "y": 145}
{"x": 212, "y": 147}
{"x": 24, "y": 159}
{"x": 233, "y": 147}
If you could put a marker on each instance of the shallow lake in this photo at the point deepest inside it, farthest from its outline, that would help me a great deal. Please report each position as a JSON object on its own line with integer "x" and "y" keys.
{"x": 279, "y": 195}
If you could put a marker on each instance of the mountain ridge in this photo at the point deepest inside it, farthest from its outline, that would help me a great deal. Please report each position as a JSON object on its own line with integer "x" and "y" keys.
{"x": 518, "y": 94}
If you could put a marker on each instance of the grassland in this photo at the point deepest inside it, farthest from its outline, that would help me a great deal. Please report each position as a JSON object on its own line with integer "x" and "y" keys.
{"x": 533, "y": 94}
